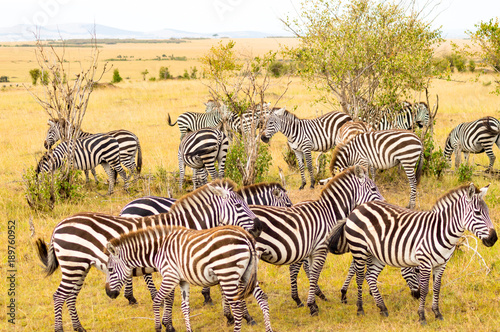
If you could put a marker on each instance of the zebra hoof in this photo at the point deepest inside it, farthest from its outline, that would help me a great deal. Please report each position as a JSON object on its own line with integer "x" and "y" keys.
{"x": 80, "y": 329}
{"x": 384, "y": 313}
{"x": 209, "y": 302}
{"x": 360, "y": 312}
{"x": 252, "y": 322}
{"x": 313, "y": 308}
{"x": 230, "y": 320}
{"x": 132, "y": 300}
{"x": 312, "y": 186}
{"x": 416, "y": 294}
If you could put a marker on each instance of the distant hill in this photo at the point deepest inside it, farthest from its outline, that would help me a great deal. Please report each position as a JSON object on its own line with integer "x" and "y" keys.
{"x": 24, "y": 32}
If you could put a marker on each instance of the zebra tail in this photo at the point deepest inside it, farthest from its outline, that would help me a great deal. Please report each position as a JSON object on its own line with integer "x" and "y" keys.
{"x": 171, "y": 124}
{"x": 489, "y": 129}
{"x": 420, "y": 167}
{"x": 336, "y": 241}
{"x": 139, "y": 158}
{"x": 250, "y": 275}
{"x": 47, "y": 256}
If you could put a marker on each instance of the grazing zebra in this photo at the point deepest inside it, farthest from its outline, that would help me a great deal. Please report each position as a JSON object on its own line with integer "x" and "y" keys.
{"x": 128, "y": 143}
{"x": 272, "y": 194}
{"x": 88, "y": 153}
{"x": 290, "y": 235}
{"x": 77, "y": 242}
{"x": 408, "y": 118}
{"x": 256, "y": 194}
{"x": 243, "y": 123}
{"x": 192, "y": 121}
{"x": 305, "y": 136}
{"x": 200, "y": 150}
{"x": 383, "y": 150}
{"x": 474, "y": 137}
{"x": 350, "y": 129}
{"x": 387, "y": 234}
{"x": 183, "y": 257}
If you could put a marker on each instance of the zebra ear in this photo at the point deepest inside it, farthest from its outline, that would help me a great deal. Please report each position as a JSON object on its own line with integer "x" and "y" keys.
{"x": 483, "y": 191}
{"x": 280, "y": 111}
{"x": 471, "y": 191}
{"x": 111, "y": 248}
{"x": 276, "y": 192}
{"x": 360, "y": 172}
{"x": 218, "y": 191}
{"x": 50, "y": 122}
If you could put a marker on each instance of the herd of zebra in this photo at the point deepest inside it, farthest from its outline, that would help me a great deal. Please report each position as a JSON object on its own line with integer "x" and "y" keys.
{"x": 217, "y": 234}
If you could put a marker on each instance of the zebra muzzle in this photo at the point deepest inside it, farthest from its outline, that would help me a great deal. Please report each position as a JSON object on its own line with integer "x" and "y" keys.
{"x": 257, "y": 228}
{"x": 264, "y": 138}
{"x": 112, "y": 294}
{"x": 491, "y": 239}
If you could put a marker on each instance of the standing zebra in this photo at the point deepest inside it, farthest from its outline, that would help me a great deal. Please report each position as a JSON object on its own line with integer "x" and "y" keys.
{"x": 192, "y": 121}
{"x": 383, "y": 150}
{"x": 305, "y": 136}
{"x": 474, "y": 137}
{"x": 77, "y": 242}
{"x": 183, "y": 257}
{"x": 272, "y": 194}
{"x": 408, "y": 118}
{"x": 350, "y": 129}
{"x": 256, "y": 194}
{"x": 387, "y": 234}
{"x": 127, "y": 142}
{"x": 200, "y": 150}
{"x": 88, "y": 153}
{"x": 243, "y": 123}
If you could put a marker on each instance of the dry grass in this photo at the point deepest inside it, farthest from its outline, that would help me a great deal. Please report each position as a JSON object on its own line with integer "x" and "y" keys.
{"x": 468, "y": 295}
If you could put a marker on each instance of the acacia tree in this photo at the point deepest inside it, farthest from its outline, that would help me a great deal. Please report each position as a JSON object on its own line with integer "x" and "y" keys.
{"x": 240, "y": 83}
{"x": 362, "y": 52}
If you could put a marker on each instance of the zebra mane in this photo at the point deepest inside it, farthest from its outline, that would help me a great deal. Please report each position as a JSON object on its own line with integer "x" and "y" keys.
{"x": 142, "y": 233}
{"x": 454, "y": 193}
{"x": 336, "y": 152}
{"x": 260, "y": 185}
{"x": 186, "y": 199}
{"x": 348, "y": 172}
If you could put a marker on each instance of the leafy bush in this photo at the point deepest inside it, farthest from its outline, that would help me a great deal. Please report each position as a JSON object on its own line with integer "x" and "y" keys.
{"x": 237, "y": 151}
{"x": 4, "y": 78}
{"x": 457, "y": 61}
{"x": 434, "y": 161}
{"x": 465, "y": 172}
{"x": 35, "y": 75}
{"x": 165, "y": 74}
{"x": 472, "y": 65}
{"x": 116, "y": 77}
{"x": 290, "y": 158}
{"x": 323, "y": 166}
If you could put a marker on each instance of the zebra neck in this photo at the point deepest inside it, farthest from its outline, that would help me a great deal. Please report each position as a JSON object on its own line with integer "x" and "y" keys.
{"x": 180, "y": 215}
{"x": 289, "y": 124}
{"x": 141, "y": 254}
{"x": 335, "y": 208}
{"x": 450, "y": 219}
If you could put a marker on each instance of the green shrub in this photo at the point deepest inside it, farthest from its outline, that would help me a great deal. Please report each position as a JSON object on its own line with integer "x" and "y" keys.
{"x": 465, "y": 172}
{"x": 323, "y": 166}
{"x": 35, "y": 75}
{"x": 237, "y": 151}
{"x": 290, "y": 158}
{"x": 457, "y": 62}
{"x": 165, "y": 74}
{"x": 434, "y": 161}
{"x": 472, "y": 65}
{"x": 4, "y": 79}
{"x": 116, "y": 77}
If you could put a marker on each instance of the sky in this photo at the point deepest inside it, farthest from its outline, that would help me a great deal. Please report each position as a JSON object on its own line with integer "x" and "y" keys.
{"x": 209, "y": 15}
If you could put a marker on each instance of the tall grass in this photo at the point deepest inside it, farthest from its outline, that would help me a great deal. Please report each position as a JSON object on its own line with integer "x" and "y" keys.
{"x": 469, "y": 296}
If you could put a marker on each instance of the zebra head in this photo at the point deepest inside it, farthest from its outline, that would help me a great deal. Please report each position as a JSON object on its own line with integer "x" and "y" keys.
{"x": 449, "y": 146}
{"x": 344, "y": 156}
{"x": 273, "y": 124}
{"x": 422, "y": 114}
{"x": 363, "y": 188}
{"x": 117, "y": 271}
{"x": 45, "y": 164}
{"x": 53, "y": 134}
{"x": 280, "y": 197}
{"x": 477, "y": 218}
{"x": 232, "y": 208}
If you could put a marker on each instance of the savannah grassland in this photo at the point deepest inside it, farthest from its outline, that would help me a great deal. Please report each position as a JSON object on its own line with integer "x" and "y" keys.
{"x": 469, "y": 298}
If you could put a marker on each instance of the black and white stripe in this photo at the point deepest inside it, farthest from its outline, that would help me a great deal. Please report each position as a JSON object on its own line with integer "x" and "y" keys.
{"x": 408, "y": 118}
{"x": 88, "y": 152}
{"x": 192, "y": 121}
{"x": 350, "y": 129}
{"x": 474, "y": 137}
{"x": 183, "y": 257}
{"x": 200, "y": 150}
{"x": 383, "y": 150}
{"x": 77, "y": 242}
{"x": 385, "y": 234}
{"x": 128, "y": 143}
{"x": 305, "y": 136}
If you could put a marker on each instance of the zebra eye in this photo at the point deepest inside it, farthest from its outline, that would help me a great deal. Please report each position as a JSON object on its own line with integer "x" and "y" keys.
{"x": 238, "y": 205}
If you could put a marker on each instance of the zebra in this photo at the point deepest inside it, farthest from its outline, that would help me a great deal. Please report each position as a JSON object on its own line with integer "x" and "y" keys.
{"x": 350, "y": 129}
{"x": 200, "y": 150}
{"x": 256, "y": 194}
{"x": 242, "y": 124}
{"x": 127, "y": 141}
{"x": 408, "y": 117}
{"x": 305, "y": 136}
{"x": 383, "y": 150}
{"x": 77, "y": 242}
{"x": 474, "y": 137}
{"x": 192, "y": 121}
{"x": 272, "y": 194}
{"x": 183, "y": 257}
{"x": 88, "y": 153}
{"x": 387, "y": 234}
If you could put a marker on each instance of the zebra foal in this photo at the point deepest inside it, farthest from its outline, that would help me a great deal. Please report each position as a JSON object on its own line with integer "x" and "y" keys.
{"x": 474, "y": 137}
{"x": 88, "y": 152}
{"x": 379, "y": 233}
{"x": 184, "y": 257}
{"x": 305, "y": 136}
{"x": 383, "y": 150}
{"x": 200, "y": 150}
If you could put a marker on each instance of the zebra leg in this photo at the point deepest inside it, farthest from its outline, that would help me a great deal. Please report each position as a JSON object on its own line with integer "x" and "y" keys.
{"x": 111, "y": 177}
{"x": 317, "y": 261}
{"x": 410, "y": 275}
{"x": 410, "y": 173}
{"x": 246, "y": 314}
{"x": 318, "y": 291}
{"x": 181, "y": 167}
{"x": 372, "y": 273}
{"x": 227, "y": 310}
{"x": 347, "y": 281}
{"x": 359, "y": 265}
{"x": 308, "y": 157}
{"x": 148, "y": 278}
{"x": 294, "y": 271}
{"x": 261, "y": 298}
{"x": 206, "y": 295}
{"x": 491, "y": 156}
{"x": 94, "y": 174}
{"x": 185, "y": 304}
{"x": 167, "y": 286}
{"x": 129, "y": 292}
{"x": 87, "y": 179}
{"x": 211, "y": 169}
{"x": 300, "y": 159}
{"x": 425, "y": 273}
{"x": 59, "y": 299}
{"x": 167, "y": 312}
{"x": 438, "y": 274}
{"x": 229, "y": 290}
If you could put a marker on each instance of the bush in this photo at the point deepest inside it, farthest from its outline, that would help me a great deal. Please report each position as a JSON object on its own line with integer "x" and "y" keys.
{"x": 165, "y": 74}
{"x": 323, "y": 166}
{"x": 457, "y": 61}
{"x": 35, "y": 75}
{"x": 116, "y": 77}
{"x": 237, "y": 151}
{"x": 4, "y": 78}
{"x": 465, "y": 172}
{"x": 434, "y": 161}
{"x": 472, "y": 66}
{"x": 290, "y": 159}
